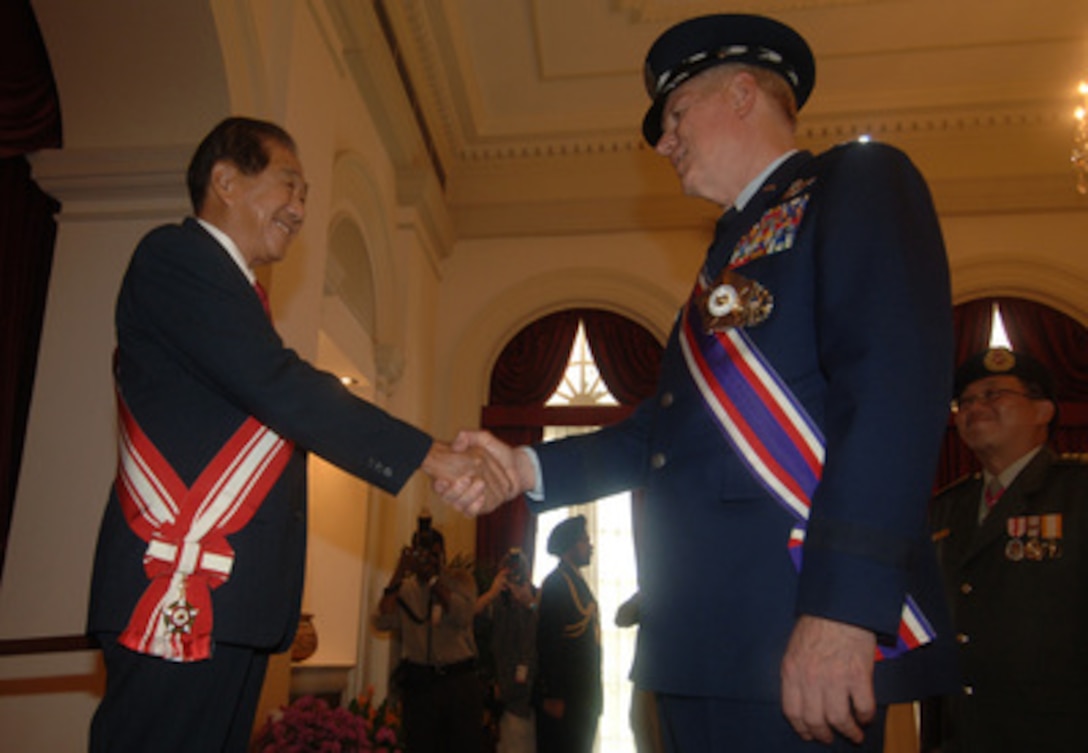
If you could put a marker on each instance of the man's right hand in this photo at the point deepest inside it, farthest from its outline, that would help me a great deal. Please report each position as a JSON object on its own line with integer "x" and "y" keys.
{"x": 510, "y": 473}
{"x": 467, "y": 477}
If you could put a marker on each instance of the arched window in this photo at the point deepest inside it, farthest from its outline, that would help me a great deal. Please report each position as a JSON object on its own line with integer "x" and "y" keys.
{"x": 611, "y": 573}
{"x": 999, "y": 338}
{"x": 528, "y": 373}
{"x": 572, "y": 372}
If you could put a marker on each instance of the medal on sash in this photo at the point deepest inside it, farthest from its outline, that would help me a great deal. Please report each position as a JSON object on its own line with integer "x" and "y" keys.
{"x": 733, "y": 301}
{"x": 186, "y": 529}
{"x": 773, "y": 435}
{"x": 1016, "y": 527}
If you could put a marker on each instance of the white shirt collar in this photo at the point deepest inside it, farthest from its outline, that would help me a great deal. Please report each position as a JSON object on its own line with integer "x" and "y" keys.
{"x": 750, "y": 190}
{"x": 231, "y": 247}
{"x": 1007, "y": 476}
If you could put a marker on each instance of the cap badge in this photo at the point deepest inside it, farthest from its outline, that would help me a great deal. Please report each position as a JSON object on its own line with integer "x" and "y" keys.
{"x": 999, "y": 360}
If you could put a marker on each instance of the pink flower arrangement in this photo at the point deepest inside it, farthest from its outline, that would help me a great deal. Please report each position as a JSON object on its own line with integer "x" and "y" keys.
{"x": 383, "y": 720}
{"x": 310, "y": 725}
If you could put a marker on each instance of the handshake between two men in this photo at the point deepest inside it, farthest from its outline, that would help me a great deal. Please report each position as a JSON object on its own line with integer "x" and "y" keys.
{"x": 478, "y": 472}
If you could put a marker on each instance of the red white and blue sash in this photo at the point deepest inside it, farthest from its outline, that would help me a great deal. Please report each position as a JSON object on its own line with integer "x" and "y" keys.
{"x": 186, "y": 528}
{"x": 771, "y": 433}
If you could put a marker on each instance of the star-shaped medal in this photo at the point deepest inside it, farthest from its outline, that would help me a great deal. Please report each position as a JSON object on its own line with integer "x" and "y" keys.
{"x": 179, "y": 617}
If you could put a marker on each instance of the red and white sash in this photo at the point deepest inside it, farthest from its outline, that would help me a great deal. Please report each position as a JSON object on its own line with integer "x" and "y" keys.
{"x": 186, "y": 528}
{"x": 771, "y": 433}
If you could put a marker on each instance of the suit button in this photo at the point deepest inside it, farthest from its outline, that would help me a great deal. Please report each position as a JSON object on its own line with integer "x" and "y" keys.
{"x": 963, "y": 639}
{"x": 968, "y": 690}
{"x": 657, "y": 461}
{"x": 966, "y": 588}
{"x": 666, "y": 400}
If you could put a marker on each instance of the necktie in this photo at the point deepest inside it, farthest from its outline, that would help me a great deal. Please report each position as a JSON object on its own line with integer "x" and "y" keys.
{"x": 263, "y": 296}
{"x": 994, "y": 490}
{"x": 722, "y": 246}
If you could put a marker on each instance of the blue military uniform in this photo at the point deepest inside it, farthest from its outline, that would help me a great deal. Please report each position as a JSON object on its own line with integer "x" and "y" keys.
{"x": 802, "y": 399}
{"x": 865, "y": 274}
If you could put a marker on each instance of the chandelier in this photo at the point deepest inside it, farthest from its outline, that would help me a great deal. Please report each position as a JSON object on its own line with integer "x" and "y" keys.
{"x": 1079, "y": 157}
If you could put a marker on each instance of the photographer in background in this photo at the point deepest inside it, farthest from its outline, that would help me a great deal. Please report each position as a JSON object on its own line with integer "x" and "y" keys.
{"x": 508, "y": 608}
{"x": 432, "y": 609}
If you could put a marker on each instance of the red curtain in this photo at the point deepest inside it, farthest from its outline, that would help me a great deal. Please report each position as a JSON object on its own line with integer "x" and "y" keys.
{"x": 1055, "y": 339}
{"x": 29, "y": 121}
{"x": 29, "y": 107}
{"x": 531, "y": 365}
{"x": 1058, "y": 341}
{"x": 627, "y": 355}
{"x": 526, "y": 374}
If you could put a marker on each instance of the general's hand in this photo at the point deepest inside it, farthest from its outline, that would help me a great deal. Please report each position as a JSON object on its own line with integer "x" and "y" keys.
{"x": 467, "y": 478}
{"x": 516, "y": 470}
{"x": 827, "y": 679}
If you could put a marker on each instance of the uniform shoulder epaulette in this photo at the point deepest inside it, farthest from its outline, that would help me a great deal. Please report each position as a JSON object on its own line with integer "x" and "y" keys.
{"x": 964, "y": 479}
{"x": 1073, "y": 459}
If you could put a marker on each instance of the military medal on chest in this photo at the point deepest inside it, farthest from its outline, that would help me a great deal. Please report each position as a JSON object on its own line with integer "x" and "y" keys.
{"x": 1034, "y": 538}
{"x": 1052, "y": 535}
{"x": 1033, "y": 547}
{"x": 733, "y": 301}
{"x": 1016, "y": 528}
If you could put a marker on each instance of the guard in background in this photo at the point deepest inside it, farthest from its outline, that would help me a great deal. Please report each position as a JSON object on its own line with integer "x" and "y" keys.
{"x": 1011, "y": 545}
{"x": 568, "y": 647}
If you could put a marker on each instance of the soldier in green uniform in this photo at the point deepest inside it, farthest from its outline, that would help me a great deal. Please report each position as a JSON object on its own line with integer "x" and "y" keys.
{"x": 1011, "y": 544}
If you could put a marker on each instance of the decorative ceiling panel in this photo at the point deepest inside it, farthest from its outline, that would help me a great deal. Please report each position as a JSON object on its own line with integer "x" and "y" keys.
{"x": 552, "y": 89}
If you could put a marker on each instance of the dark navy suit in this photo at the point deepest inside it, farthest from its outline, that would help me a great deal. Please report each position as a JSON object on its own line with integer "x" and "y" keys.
{"x": 197, "y": 355}
{"x": 860, "y": 332}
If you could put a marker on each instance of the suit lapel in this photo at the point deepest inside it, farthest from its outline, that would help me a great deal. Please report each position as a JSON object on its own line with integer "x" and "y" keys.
{"x": 224, "y": 266}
